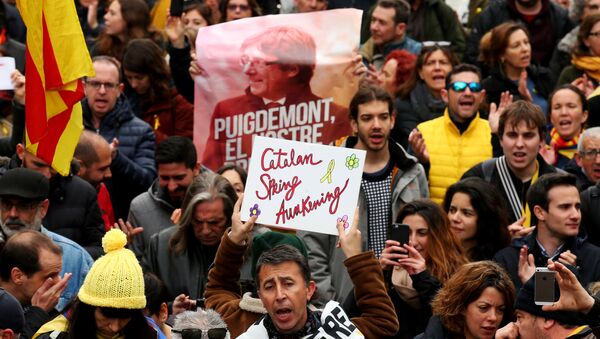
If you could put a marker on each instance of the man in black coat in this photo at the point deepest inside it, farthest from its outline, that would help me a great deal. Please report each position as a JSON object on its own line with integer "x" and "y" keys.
{"x": 554, "y": 199}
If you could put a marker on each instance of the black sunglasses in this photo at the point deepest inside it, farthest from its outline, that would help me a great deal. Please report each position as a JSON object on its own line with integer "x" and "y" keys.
{"x": 196, "y": 333}
{"x": 461, "y": 86}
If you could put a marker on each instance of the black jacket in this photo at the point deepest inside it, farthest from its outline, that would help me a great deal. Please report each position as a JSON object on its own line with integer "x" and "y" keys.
{"x": 590, "y": 213}
{"x": 73, "y": 211}
{"x": 497, "y": 82}
{"x": 435, "y": 330}
{"x": 494, "y": 178}
{"x": 133, "y": 169}
{"x": 546, "y": 30}
{"x": 588, "y": 257}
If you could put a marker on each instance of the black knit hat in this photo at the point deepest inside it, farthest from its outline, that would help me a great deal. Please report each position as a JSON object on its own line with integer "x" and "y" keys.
{"x": 525, "y": 301}
{"x": 25, "y": 184}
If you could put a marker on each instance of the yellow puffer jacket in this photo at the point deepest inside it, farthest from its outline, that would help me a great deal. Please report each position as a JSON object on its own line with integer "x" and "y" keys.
{"x": 451, "y": 154}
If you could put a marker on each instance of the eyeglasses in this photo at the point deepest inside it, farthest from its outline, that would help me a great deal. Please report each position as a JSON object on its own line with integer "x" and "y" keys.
{"x": 247, "y": 60}
{"x": 21, "y": 206}
{"x": 594, "y": 34}
{"x": 233, "y": 7}
{"x": 436, "y": 43}
{"x": 195, "y": 333}
{"x": 109, "y": 86}
{"x": 461, "y": 86}
{"x": 590, "y": 154}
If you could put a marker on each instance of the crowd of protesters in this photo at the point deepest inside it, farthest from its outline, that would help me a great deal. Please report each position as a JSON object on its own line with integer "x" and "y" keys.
{"x": 482, "y": 135}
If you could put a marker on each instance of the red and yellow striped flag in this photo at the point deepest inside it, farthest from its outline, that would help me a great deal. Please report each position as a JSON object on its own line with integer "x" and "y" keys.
{"x": 56, "y": 60}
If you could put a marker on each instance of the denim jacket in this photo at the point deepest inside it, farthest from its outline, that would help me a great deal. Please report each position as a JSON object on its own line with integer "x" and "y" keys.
{"x": 75, "y": 260}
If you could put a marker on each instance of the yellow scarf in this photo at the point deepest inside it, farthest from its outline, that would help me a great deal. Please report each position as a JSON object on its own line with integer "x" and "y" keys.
{"x": 589, "y": 64}
{"x": 526, "y": 209}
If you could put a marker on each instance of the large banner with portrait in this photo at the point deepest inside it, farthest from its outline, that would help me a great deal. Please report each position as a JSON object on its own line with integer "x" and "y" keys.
{"x": 281, "y": 76}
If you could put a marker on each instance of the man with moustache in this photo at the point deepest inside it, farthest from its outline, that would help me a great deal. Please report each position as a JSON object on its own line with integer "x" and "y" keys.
{"x": 391, "y": 178}
{"x": 23, "y": 205}
{"x": 545, "y": 20}
{"x": 177, "y": 166}
{"x": 451, "y": 144}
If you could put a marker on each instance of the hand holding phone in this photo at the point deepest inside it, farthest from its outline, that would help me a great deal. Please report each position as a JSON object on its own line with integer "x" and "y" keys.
{"x": 399, "y": 233}
{"x": 544, "y": 286}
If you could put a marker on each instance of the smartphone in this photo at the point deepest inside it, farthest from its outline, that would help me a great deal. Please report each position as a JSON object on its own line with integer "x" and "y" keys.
{"x": 176, "y": 8}
{"x": 399, "y": 233}
{"x": 544, "y": 286}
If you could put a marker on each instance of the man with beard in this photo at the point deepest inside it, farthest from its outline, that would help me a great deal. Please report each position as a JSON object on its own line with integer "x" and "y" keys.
{"x": 391, "y": 178}
{"x": 74, "y": 212}
{"x": 451, "y": 144}
{"x": 23, "y": 205}
{"x": 177, "y": 166}
{"x": 181, "y": 255}
{"x": 546, "y": 22}
{"x": 93, "y": 155}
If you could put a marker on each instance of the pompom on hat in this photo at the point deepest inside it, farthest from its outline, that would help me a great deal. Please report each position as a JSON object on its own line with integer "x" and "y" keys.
{"x": 116, "y": 279}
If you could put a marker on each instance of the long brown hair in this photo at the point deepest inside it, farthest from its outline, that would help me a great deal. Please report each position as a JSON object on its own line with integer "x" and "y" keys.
{"x": 466, "y": 286}
{"x": 205, "y": 187}
{"x": 584, "y": 31}
{"x": 444, "y": 251}
{"x": 136, "y": 15}
{"x": 144, "y": 56}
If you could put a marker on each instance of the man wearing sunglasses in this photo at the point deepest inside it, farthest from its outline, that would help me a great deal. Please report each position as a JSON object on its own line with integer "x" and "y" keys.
{"x": 452, "y": 143}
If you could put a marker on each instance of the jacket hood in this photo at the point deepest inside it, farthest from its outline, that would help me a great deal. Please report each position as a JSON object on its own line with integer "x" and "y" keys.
{"x": 158, "y": 195}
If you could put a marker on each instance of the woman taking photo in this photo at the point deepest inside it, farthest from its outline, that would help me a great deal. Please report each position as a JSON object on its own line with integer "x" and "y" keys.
{"x": 418, "y": 99}
{"x": 420, "y": 267}
{"x": 111, "y": 301}
{"x": 568, "y": 115}
{"x": 477, "y": 218}
{"x": 124, "y": 20}
{"x": 506, "y": 50}
{"x": 472, "y": 304}
{"x": 586, "y": 55}
{"x": 150, "y": 93}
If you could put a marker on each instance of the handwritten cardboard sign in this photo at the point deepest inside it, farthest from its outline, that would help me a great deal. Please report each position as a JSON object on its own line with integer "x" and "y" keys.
{"x": 302, "y": 186}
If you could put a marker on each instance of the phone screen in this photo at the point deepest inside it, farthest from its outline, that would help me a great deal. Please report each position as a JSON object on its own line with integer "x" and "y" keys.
{"x": 544, "y": 286}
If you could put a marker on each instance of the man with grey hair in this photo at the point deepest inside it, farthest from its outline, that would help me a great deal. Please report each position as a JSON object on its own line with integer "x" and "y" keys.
{"x": 190, "y": 324}
{"x": 182, "y": 254}
{"x": 587, "y": 158}
{"x": 585, "y": 165}
{"x": 23, "y": 205}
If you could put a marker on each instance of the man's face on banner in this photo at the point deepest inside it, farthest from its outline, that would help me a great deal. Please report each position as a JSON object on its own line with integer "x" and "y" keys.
{"x": 266, "y": 78}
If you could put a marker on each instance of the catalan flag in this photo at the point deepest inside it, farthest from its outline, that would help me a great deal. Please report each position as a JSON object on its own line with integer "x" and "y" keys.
{"x": 56, "y": 60}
